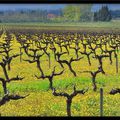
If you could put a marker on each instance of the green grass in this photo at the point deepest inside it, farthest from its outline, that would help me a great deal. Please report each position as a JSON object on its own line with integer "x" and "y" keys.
{"x": 41, "y": 102}
{"x": 114, "y": 23}
{"x": 65, "y": 84}
{"x": 82, "y": 26}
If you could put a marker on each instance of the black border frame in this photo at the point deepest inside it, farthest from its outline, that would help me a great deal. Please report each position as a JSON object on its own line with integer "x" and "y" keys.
{"x": 57, "y": 1}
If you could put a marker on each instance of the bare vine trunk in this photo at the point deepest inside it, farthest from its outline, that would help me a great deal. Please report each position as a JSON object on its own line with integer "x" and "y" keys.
{"x": 9, "y": 66}
{"x": 94, "y": 84}
{"x": 69, "y": 101}
{"x": 74, "y": 73}
{"x": 116, "y": 64}
{"x": 89, "y": 60}
{"x": 4, "y": 87}
{"x": 5, "y": 72}
{"x": 50, "y": 84}
{"x": 20, "y": 55}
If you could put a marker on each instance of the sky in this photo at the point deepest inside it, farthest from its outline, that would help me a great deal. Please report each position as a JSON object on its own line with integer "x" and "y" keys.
{"x": 111, "y": 6}
{"x": 30, "y": 6}
{"x": 51, "y": 6}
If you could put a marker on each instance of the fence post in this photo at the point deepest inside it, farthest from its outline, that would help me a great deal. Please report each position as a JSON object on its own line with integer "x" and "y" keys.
{"x": 20, "y": 55}
{"x": 101, "y": 102}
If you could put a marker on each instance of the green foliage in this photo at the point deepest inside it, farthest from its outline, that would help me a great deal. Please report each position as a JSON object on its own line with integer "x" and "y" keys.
{"x": 41, "y": 102}
{"x": 86, "y": 14}
{"x": 103, "y": 14}
{"x": 76, "y": 13}
{"x": 71, "y": 13}
{"x": 24, "y": 16}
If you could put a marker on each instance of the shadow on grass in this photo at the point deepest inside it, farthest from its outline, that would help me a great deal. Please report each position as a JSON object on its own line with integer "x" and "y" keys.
{"x": 7, "y": 98}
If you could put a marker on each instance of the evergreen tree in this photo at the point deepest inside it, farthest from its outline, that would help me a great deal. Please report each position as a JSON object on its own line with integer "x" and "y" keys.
{"x": 103, "y": 14}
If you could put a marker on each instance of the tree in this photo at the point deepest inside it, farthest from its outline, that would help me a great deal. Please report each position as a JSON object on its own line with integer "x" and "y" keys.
{"x": 86, "y": 14}
{"x": 71, "y": 13}
{"x": 95, "y": 16}
{"x": 69, "y": 97}
{"x": 103, "y": 14}
{"x": 7, "y": 79}
{"x": 76, "y": 13}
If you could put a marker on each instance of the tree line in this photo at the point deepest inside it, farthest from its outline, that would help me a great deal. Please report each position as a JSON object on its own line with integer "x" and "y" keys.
{"x": 70, "y": 13}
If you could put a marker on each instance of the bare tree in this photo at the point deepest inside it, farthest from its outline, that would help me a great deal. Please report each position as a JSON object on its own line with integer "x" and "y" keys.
{"x": 26, "y": 47}
{"x": 9, "y": 58}
{"x": 66, "y": 47}
{"x": 110, "y": 54}
{"x": 48, "y": 54}
{"x": 6, "y": 98}
{"x": 58, "y": 55}
{"x": 67, "y": 62}
{"x": 34, "y": 52}
{"x": 93, "y": 48}
{"x": 6, "y": 51}
{"x": 37, "y": 60}
{"x": 50, "y": 77}
{"x": 7, "y": 79}
{"x": 94, "y": 74}
{"x": 76, "y": 50}
{"x": 69, "y": 97}
{"x": 54, "y": 50}
{"x": 88, "y": 55}
{"x": 100, "y": 58}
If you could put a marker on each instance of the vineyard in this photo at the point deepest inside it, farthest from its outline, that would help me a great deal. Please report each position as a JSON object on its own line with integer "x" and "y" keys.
{"x": 58, "y": 72}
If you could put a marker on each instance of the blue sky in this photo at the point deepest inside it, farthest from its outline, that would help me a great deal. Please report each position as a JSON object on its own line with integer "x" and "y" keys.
{"x": 111, "y": 6}
{"x": 30, "y": 6}
{"x": 50, "y": 6}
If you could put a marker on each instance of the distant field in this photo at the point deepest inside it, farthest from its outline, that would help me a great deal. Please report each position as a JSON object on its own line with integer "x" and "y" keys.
{"x": 114, "y": 23}
{"x": 113, "y": 26}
